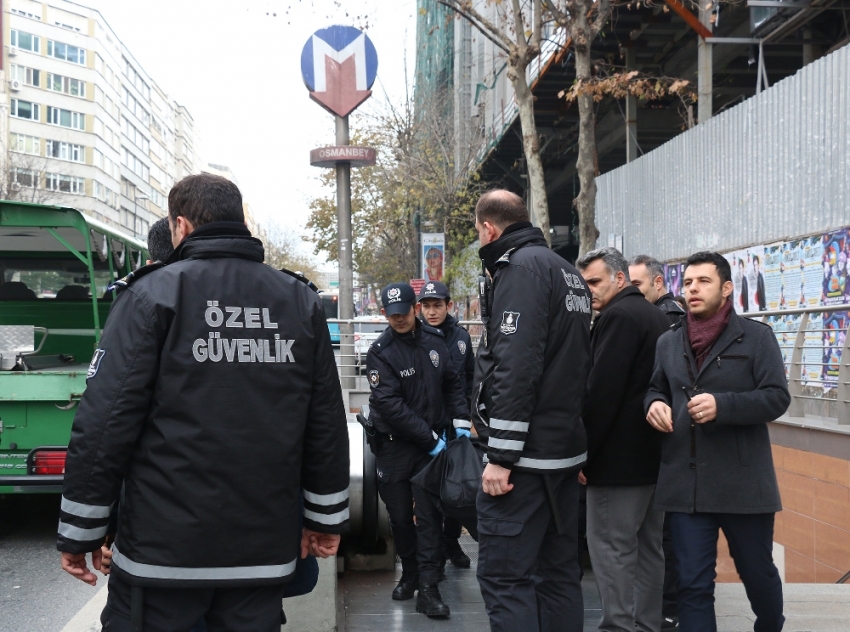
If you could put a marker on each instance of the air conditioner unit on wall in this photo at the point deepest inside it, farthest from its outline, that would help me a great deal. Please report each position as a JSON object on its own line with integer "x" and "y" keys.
{"x": 13, "y": 50}
{"x": 15, "y": 85}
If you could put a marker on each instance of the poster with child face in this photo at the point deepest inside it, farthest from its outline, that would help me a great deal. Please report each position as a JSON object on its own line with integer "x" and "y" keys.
{"x": 834, "y": 261}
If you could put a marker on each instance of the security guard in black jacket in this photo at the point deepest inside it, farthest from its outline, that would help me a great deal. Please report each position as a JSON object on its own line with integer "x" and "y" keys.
{"x": 214, "y": 396}
{"x": 530, "y": 378}
{"x": 416, "y": 393}
{"x": 436, "y": 304}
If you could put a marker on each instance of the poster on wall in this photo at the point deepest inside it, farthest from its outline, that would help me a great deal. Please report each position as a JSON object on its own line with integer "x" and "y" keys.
{"x": 741, "y": 280}
{"x": 793, "y": 290}
{"x": 773, "y": 275}
{"x": 756, "y": 299}
{"x": 785, "y": 329}
{"x": 813, "y": 353}
{"x": 811, "y": 266}
{"x": 834, "y": 335}
{"x": 673, "y": 277}
{"x": 836, "y": 247}
{"x": 433, "y": 255}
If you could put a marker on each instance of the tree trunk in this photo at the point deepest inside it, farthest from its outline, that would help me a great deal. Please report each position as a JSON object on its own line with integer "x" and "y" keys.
{"x": 531, "y": 147}
{"x": 585, "y": 163}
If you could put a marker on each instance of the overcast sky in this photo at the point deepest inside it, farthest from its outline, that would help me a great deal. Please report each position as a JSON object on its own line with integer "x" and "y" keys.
{"x": 236, "y": 67}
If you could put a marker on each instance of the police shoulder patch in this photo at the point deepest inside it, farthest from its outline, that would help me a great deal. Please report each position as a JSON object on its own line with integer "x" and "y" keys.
{"x": 509, "y": 323}
{"x": 374, "y": 378}
{"x": 461, "y": 345}
{"x": 95, "y": 363}
{"x": 435, "y": 358}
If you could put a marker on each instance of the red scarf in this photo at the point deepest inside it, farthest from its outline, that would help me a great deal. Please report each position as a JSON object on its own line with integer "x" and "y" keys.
{"x": 704, "y": 333}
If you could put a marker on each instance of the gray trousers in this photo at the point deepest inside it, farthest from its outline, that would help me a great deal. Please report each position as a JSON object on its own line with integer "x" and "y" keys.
{"x": 624, "y": 539}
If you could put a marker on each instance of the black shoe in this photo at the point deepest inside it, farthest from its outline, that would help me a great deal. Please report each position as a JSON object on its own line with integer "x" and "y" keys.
{"x": 406, "y": 588}
{"x": 458, "y": 558}
{"x": 429, "y": 602}
{"x": 669, "y": 624}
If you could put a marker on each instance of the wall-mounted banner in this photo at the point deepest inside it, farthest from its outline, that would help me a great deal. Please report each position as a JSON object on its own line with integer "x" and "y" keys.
{"x": 433, "y": 256}
{"x": 673, "y": 277}
{"x": 836, "y": 249}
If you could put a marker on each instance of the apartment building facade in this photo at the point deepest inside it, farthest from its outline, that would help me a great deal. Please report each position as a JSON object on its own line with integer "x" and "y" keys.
{"x": 83, "y": 124}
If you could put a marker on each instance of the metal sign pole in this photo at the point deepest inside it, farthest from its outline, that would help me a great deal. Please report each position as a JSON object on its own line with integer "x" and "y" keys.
{"x": 346, "y": 271}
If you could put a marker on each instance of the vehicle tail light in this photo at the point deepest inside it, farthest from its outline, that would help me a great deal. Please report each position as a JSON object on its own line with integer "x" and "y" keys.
{"x": 49, "y": 462}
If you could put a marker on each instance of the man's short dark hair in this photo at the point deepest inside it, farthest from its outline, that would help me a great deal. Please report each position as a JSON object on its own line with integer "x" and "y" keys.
{"x": 653, "y": 266}
{"x": 159, "y": 240}
{"x": 612, "y": 258}
{"x": 205, "y": 198}
{"x": 719, "y": 261}
{"x": 501, "y": 208}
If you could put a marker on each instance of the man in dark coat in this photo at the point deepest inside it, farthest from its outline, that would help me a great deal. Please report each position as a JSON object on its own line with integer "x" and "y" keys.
{"x": 647, "y": 275}
{"x": 623, "y": 529}
{"x": 718, "y": 380}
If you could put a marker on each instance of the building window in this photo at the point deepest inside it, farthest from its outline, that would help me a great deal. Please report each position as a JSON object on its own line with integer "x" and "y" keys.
{"x": 66, "y": 52}
{"x": 25, "y": 110}
{"x": 136, "y": 79}
{"x": 27, "y": 76}
{"x": 67, "y": 26}
{"x": 135, "y": 136}
{"x": 136, "y": 108}
{"x": 26, "y": 41}
{"x": 66, "y": 85}
{"x": 66, "y": 118}
{"x": 25, "y": 14}
{"x": 26, "y": 144}
{"x": 65, "y": 184}
{"x": 129, "y": 160}
{"x": 24, "y": 177}
{"x": 65, "y": 151}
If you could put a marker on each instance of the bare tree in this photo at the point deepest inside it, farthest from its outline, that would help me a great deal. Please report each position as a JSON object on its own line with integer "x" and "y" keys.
{"x": 23, "y": 178}
{"x": 282, "y": 248}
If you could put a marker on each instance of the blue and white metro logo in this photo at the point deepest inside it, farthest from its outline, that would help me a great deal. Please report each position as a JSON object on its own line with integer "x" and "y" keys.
{"x": 339, "y": 65}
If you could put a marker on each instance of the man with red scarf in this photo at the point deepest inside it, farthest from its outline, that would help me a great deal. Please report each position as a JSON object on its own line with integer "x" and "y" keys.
{"x": 718, "y": 380}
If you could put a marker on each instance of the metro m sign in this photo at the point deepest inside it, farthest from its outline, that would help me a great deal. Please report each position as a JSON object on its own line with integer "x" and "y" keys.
{"x": 339, "y": 65}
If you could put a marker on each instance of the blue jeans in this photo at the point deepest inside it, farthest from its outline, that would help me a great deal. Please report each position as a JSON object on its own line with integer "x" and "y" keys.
{"x": 750, "y": 538}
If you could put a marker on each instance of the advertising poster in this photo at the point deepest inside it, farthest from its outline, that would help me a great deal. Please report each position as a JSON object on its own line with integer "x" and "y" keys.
{"x": 813, "y": 353}
{"x": 811, "y": 266}
{"x": 835, "y": 251}
{"x": 740, "y": 280}
{"x": 785, "y": 329}
{"x": 834, "y": 334}
{"x": 756, "y": 299}
{"x": 792, "y": 275}
{"x": 673, "y": 278}
{"x": 433, "y": 255}
{"x": 773, "y": 276}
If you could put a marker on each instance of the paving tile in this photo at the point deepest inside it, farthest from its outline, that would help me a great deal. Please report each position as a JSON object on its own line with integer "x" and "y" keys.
{"x": 832, "y": 546}
{"x": 798, "y": 492}
{"x": 799, "y": 568}
{"x": 798, "y": 533}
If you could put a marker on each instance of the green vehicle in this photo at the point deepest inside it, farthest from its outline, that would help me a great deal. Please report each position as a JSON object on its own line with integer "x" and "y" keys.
{"x": 55, "y": 267}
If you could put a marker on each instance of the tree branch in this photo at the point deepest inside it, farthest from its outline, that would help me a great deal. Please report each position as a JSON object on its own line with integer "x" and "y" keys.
{"x": 484, "y": 26}
{"x": 604, "y": 8}
{"x": 519, "y": 27}
{"x": 537, "y": 33}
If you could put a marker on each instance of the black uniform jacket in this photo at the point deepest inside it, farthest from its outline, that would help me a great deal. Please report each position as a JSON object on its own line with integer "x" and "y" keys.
{"x": 623, "y": 449}
{"x": 669, "y": 306}
{"x": 460, "y": 348}
{"x": 214, "y": 396}
{"x": 725, "y": 465}
{"x": 416, "y": 389}
{"x": 530, "y": 375}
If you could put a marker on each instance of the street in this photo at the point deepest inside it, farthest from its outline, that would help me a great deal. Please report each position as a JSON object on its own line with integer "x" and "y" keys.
{"x": 35, "y": 594}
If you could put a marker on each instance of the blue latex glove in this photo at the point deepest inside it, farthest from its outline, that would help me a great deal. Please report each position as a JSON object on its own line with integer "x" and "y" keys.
{"x": 441, "y": 445}
{"x": 463, "y": 432}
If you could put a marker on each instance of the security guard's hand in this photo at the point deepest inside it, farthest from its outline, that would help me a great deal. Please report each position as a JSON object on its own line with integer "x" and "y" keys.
{"x": 494, "y": 481}
{"x": 75, "y": 564}
{"x": 441, "y": 445}
{"x": 318, "y": 544}
{"x": 462, "y": 432}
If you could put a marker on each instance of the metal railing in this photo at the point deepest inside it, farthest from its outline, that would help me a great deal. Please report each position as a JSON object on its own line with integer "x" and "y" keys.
{"x": 810, "y": 393}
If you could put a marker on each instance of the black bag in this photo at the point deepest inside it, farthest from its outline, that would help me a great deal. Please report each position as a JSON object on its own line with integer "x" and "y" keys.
{"x": 461, "y": 474}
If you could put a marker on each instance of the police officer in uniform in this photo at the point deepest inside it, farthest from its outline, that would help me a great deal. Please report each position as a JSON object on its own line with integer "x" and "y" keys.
{"x": 527, "y": 399}
{"x": 214, "y": 396}
{"x": 436, "y": 311}
{"x": 415, "y": 395}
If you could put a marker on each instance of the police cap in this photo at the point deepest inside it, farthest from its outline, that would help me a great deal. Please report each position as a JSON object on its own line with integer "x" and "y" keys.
{"x": 397, "y": 298}
{"x": 434, "y": 289}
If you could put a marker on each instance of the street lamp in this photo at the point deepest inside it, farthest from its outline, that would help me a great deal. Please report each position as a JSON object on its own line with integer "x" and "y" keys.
{"x": 136, "y": 199}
